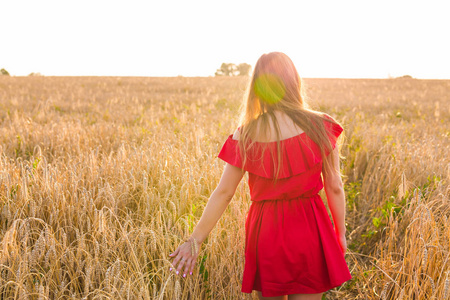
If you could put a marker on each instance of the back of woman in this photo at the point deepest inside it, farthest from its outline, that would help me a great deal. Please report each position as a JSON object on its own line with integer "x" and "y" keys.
{"x": 290, "y": 153}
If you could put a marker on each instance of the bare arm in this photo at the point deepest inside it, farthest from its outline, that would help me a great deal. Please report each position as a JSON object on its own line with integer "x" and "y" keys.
{"x": 214, "y": 209}
{"x": 334, "y": 190}
{"x": 218, "y": 202}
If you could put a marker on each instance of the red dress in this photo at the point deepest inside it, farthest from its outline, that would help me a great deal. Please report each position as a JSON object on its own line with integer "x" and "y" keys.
{"x": 290, "y": 243}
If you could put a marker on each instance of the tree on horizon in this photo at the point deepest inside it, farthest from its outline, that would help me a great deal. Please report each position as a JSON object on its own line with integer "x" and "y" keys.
{"x": 4, "y": 72}
{"x": 230, "y": 69}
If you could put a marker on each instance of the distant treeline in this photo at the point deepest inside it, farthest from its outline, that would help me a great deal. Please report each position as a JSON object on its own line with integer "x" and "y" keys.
{"x": 3, "y": 72}
{"x": 230, "y": 69}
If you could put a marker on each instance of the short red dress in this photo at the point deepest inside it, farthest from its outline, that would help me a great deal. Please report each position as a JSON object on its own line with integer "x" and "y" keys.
{"x": 290, "y": 244}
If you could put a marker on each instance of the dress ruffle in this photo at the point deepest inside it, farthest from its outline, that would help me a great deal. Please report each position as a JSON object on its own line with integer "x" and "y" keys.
{"x": 298, "y": 154}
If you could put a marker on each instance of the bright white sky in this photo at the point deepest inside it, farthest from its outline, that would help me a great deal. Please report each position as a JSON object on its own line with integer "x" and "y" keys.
{"x": 348, "y": 39}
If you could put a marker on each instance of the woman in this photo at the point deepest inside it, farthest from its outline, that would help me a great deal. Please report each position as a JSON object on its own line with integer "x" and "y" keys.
{"x": 292, "y": 250}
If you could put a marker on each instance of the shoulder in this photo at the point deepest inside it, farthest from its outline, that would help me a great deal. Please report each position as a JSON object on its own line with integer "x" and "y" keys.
{"x": 332, "y": 126}
{"x": 327, "y": 117}
{"x": 329, "y": 121}
{"x": 236, "y": 134}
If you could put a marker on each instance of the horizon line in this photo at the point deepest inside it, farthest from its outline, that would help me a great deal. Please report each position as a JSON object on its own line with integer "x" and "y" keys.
{"x": 404, "y": 77}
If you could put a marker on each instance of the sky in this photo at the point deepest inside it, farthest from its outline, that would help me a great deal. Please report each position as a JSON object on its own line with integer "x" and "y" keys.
{"x": 332, "y": 39}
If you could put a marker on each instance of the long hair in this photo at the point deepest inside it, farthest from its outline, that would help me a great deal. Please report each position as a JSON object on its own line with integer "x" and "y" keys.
{"x": 275, "y": 85}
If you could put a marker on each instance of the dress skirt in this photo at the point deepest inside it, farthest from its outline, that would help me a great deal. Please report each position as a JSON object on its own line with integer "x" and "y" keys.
{"x": 291, "y": 248}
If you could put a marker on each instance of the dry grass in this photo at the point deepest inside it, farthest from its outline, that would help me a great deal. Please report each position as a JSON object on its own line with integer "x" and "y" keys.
{"x": 101, "y": 178}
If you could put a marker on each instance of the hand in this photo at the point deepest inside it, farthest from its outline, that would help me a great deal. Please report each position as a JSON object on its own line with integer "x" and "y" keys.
{"x": 185, "y": 256}
{"x": 342, "y": 242}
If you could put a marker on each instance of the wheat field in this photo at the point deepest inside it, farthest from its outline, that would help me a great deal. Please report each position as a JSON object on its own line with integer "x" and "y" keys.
{"x": 101, "y": 178}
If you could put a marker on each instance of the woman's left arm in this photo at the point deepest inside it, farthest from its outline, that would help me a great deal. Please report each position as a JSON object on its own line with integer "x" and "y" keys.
{"x": 214, "y": 209}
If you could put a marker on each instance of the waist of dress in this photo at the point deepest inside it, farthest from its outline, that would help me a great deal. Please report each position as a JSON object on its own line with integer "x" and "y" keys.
{"x": 302, "y": 197}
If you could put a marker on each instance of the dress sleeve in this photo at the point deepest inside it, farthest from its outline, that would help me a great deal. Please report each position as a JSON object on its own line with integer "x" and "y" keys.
{"x": 230, "y": 152}
{"x": 334, "y": 130}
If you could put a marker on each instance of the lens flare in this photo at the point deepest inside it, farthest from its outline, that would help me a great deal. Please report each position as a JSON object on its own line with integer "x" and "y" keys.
{"x": 269, "y": 88}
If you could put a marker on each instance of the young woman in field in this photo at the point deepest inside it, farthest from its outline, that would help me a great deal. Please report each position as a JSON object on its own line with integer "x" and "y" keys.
{"x": 292, "y": 250}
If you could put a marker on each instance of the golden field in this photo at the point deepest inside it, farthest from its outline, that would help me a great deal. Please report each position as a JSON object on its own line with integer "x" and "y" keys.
{"x": 102, "y": 177}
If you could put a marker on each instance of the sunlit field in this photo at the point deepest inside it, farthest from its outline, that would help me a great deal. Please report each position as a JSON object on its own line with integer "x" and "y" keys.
{"x": 101, "y": 178}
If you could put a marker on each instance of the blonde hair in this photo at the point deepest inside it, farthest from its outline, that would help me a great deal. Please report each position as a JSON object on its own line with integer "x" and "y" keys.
{"x": 275, "y": 85}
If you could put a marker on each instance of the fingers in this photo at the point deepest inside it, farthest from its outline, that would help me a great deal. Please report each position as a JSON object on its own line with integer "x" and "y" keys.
{"x": 178, "y": 263}
{"x": 192, "y": 267}
{"x": 187, "y": 266}
{"x": 175, "y": 252}
{"x": 183, "y": 263}
{"x": 180, "y": 266}
{"x": 183, "y": 266}
{"x": 175, "y": 262}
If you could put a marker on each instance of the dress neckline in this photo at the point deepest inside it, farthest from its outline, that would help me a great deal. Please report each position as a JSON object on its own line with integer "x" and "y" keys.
{"x": 272, "y": 142}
